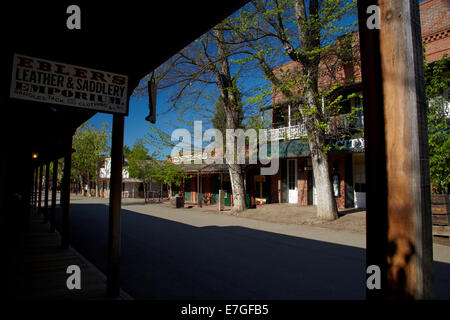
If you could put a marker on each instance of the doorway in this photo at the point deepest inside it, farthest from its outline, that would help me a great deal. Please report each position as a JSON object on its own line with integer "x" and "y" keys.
{"x": 292, "y": 181}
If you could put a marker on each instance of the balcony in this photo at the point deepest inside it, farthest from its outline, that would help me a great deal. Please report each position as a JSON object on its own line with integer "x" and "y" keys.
{"x": 288, "y": 133}
{"x": 298, "y": 131}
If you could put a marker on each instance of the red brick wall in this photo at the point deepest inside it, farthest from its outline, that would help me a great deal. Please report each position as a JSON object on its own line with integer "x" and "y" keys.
{"x": 435, "y": 20}
{"x": 434, "y": 16}
{"x": 326, "y": 79}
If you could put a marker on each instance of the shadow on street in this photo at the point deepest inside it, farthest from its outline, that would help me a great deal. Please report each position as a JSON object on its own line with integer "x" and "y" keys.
{"x": 163, "y": 259}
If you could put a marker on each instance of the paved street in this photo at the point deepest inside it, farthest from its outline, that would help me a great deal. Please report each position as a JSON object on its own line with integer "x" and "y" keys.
{"x": 189, "y": 254}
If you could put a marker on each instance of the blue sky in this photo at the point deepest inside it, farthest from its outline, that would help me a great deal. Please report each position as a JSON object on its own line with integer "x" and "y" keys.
{"x": 136, "y": 126}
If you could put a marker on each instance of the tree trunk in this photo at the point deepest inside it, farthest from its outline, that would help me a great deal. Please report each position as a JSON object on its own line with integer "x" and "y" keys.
{"x": 237, "y": 186}
{"x": 229, "y": 95}
{"x": 145, "y": 192}
{"x": 150, "y": 189}
{"x": 326, "y": 204}
{"x": 97, "y": 183}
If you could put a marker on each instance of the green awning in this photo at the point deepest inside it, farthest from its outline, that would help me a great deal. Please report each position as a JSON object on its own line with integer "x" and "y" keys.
{"x": 291, "y": 149}
{"x": 300, "y": 148}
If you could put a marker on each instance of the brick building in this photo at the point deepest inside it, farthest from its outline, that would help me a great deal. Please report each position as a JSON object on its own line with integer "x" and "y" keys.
{"x": 294, "y": 182}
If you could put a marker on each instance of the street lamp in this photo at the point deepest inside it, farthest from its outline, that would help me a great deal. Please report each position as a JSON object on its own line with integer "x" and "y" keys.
{"x": 34, "y": 155}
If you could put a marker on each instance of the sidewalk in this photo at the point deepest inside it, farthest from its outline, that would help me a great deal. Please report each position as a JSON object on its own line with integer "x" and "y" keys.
{"x": 42, "y": 264}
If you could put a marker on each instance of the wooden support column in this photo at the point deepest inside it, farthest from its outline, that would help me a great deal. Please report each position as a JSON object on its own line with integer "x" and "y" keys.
{"x": 41, "y": 173}
{"x": 398, "y": 213}
{"x": 200, "y": 194}
{"x": 2, "y": 182}
{"x": 115, "y": 202}
{"x": 198, "y": 188}
{"x": 47, "y": 185}
{"x": 65, "y": 193}
{"x": 35, "y": 188}
{"x": 54, "y": 189}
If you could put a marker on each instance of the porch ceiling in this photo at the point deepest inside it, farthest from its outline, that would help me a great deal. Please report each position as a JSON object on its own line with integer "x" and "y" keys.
{"x": 121, "y": 37}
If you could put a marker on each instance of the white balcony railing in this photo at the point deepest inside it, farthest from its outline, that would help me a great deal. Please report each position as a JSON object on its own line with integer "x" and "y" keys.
{"x": 288, "y": 133}
{"x": 298, "y": 131}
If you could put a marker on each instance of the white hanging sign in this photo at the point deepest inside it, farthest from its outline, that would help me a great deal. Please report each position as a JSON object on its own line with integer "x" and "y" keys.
{"x": 64, "y": 84}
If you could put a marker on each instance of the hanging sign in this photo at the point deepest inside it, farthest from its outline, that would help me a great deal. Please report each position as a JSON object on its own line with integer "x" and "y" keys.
{"x": 64, "y": 84}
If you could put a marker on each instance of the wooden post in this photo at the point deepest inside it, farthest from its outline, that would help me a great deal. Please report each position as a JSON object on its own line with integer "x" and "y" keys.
{"x": 115, "y": 201}
{"x": 41, "y": 173}
{"x": 2, "y": 182}
{"x": 198, "y": 188}
{"x": 65, "y": 193}
{"x": 398, "y": 211}
{"x": 54, "y": 189}
{"x": 47, "y": 185}
{"x": 33, "y": 187}
{"x": 36, "y": 187}
{"x": 200, "y": 194}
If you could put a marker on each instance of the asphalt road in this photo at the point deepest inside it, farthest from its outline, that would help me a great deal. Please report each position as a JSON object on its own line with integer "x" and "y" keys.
{"x": 165, "y": 259}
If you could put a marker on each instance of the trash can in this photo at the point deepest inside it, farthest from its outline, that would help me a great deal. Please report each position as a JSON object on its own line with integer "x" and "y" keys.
{"x": 177, "y": 201}
{"x": 247, "y": 200}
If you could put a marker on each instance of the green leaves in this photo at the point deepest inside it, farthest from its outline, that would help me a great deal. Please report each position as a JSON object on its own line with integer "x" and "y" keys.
{"x": 91, "y": 146}
{"x": 137, "y": 160}
{"x": 436, "y": 81}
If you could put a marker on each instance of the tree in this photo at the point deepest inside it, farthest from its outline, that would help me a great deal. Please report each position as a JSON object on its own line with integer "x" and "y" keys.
{"x": 168, "y": 173}
{"x": 139, "y": 164}
{"x": 436, "y": 81}
{"x": 60, "y": 170}
{"x": 219, "y": 119}
{"x": 204, "y": 63}
{"x": 126, "y": 151}
{"x": 316, "y": 36}
{"x": 148, "y": 169}
{"x": 91, "y": 146}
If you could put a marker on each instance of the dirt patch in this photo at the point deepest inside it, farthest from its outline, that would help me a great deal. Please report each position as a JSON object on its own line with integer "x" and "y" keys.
{"x": 352, "y": 220}
{"x": 349, "y": 220}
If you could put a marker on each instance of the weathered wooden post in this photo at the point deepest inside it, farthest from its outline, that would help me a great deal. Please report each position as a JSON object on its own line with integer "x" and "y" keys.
{"x": 47, "y": 185}
{"x": 36, "y": 187}
{"x": 65, "y": 193}
{"x": 115, "y": 202}
{"x": 33, "y": 188}
{"x": 54, "y": 190}
{"x": 41, "y": 169}
{"x": 399, "y": 237}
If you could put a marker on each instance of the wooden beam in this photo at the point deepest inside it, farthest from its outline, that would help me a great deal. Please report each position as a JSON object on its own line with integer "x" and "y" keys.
{"x": 47, "y": 185}
{"x": 115, "y": 203}
{"x": 65, "y": 193}
{"x": 54, "y": 189}
{"x": 41, "y": 169}
{"x": 397, "y": 172}
{"x": 35, "y": 188}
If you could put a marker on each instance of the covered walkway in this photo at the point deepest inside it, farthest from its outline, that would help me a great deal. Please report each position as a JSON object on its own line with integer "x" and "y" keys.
{"x": 41, "y": 268}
